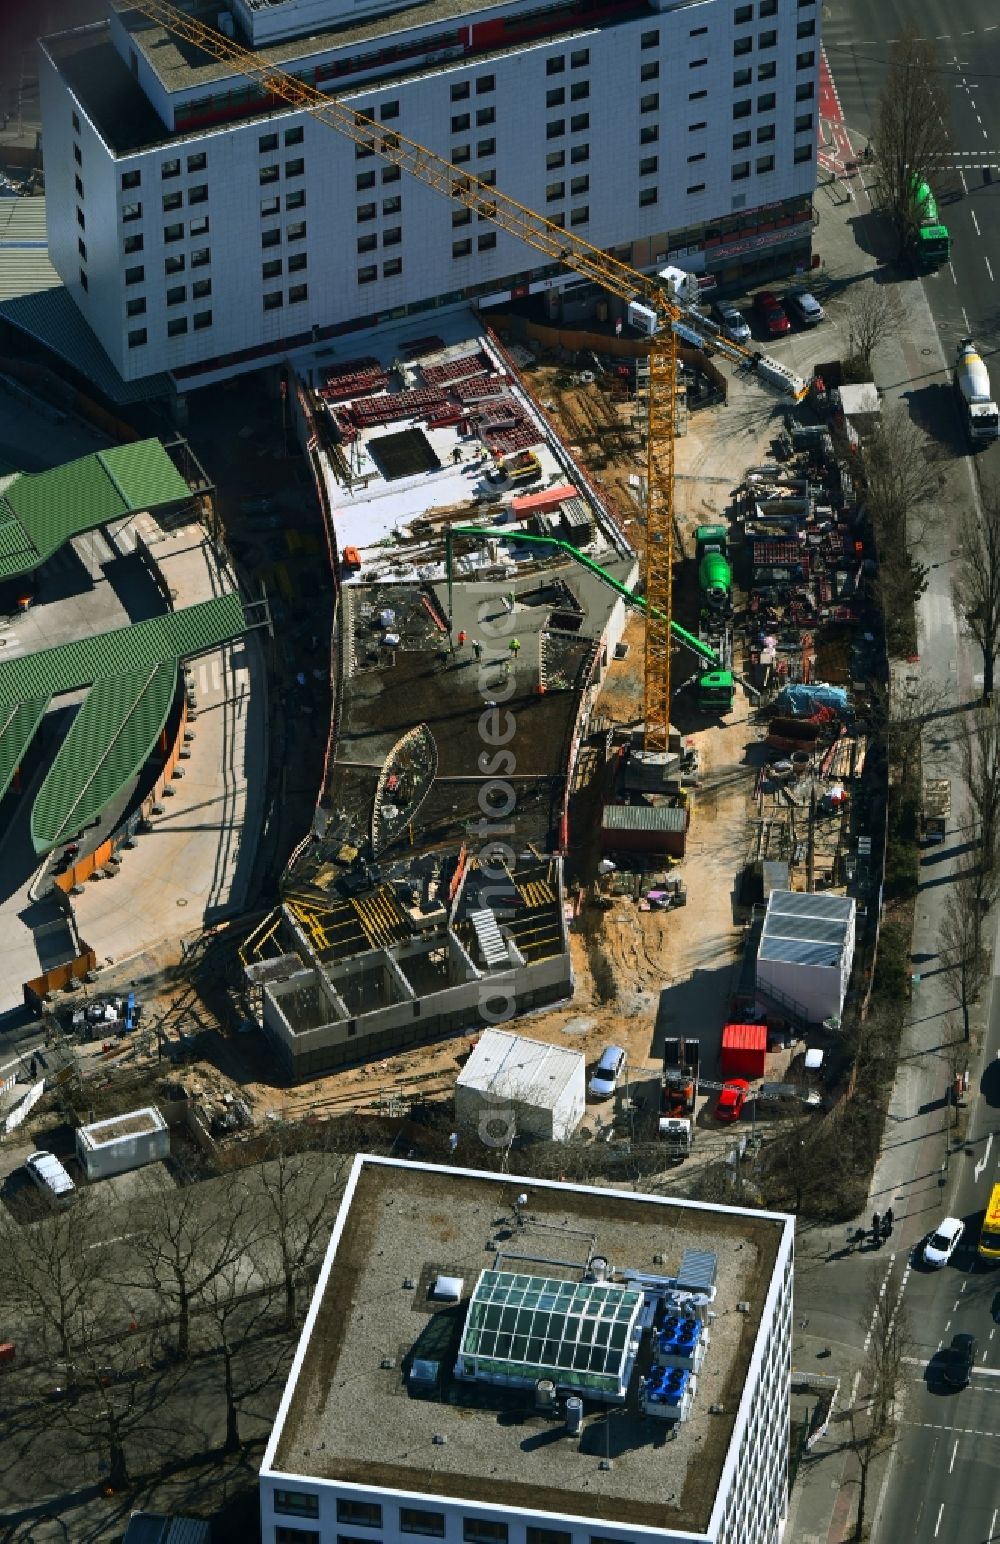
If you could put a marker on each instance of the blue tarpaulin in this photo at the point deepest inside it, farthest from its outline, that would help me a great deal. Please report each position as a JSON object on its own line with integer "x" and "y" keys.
{"x": 802, "y": 701}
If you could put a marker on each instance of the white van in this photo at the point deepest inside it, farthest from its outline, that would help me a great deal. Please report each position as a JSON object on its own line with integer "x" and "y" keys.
{"x": 50, "y": 1177}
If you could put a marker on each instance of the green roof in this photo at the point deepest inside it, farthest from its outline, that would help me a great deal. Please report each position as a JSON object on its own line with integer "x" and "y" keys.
{"x": 111, "y": 738}
{"x": 18, "y": 724}
{"x": 144, "y": 474}
{"x": 124, "y": 651}
{"x": 527, "y": 1327}
{"x": 41, "y": 511}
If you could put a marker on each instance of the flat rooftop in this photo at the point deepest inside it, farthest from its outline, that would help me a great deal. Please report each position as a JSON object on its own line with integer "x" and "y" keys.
{"x": 348, "y": 1418}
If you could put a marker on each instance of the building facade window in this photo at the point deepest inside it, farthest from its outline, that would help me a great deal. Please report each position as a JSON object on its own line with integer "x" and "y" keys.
{"x": 200, "y": 256}
{"x": 131, "y": 180}
{"x": 547, "y": 1536}
{"x": 742, "y": 78}
{"x": 554, "y": 192}
{"x": 200, "y": 320}
{"x": 199, "y": 227}
{"x": 132, "y": 244}
{"x": 479, "y": 1530}
{"x": 579, "y": 185}
{"x": 267, "y": 174}
{"x": 554, "y": 160}
{"x": 486, "y": 147}
{"x": 415, "y": 1520}
{"x": 579, "y": 154}
{"x": 393, "y": 268}
{"x": 392, "y": 237}
{"x": 173, "y": 233}
{"x": 460, "y": 122}
{"x": 169, "y": 169}
{"x": 201, "y": 289}
{"x": 485, "y": 83}
{"x": 461, "y": 248}
{"x": 648, "y": 165}
{"x": 804, "y": 92}
{"x": 79, "y": 189}
{"x": 802, "y": 153}
{"x": 266, "y": 143}
{"x": 742, "y": 46}
{"x": 556, "y": 97}
{"x": 361, "y": 1514}
{"x": 297, "y": 262}
{"x": 270, "y": 206}
{"x": 273, "y": 300}
{"x": 284, "y": 1535}
{"x": 485, "y": 116}
{"x": 579, "y": 90}
{"x": 197, "y": 162}
{"x": 177, "y": 295}
{"x": 649, "y": 40}
{"x": 647, "y": 196}
{"x": 805, "y": 29}
{"x": 767, "y": 40}
{"x": 135, "y": 275}
{"x": 177, "y": 326}
{"x": 805, "y": 61}
{"x": 76, "y": 123}
{"x": 741, "y": 170}
{"x": 173, "y": 264}
{"x": 460, "y": 92}
{"x": 80, "y": 219}
{"x": 137, "y": 337}
{"x": 172, "y": 201}
{"x": 392, "y": 205}
{"x": 364, "y": 180}
{"x": 297, "y": 135}
{"x": 579, "y": 58}
{"x": 649, "y": 103}
{"x": 77, "y": 155}
{"x": 698, "y": 187}
{"x": 579, "y": 216}
{"x": 296, "y": 231}
{"x": 765, "y": 102}
{"x": 84, "y": 281}
{"x": 579, "y": 123}
{"x": 272, "y": 238}
{"x": 765, "y": 163}
{"x": 765, "y": 133}
{"x": 297, "y": 293}
{"x": 272, "y": 268}
{"x": 198, "y": 194}
{"x": 136, "y": 307}
{"x": 768, "y": 70}
{"x": 803, "y": 123}
{"x": 742, "y": 109}
{"x": 295, "y": 168}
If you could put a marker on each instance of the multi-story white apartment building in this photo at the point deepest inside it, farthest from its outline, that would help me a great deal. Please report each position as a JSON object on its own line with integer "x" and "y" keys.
{"x": 491, "y": 1360}
{"x": 203, "y": 228}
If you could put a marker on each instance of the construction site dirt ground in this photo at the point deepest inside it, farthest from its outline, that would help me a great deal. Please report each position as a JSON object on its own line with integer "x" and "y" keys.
{"x": 640, "y": 975}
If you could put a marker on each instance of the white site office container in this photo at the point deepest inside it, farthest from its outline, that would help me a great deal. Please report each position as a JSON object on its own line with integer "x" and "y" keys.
{"x": 806, "y": 952}
{"x": 122, "y": 1142}
{"x": 513, "y": 1084}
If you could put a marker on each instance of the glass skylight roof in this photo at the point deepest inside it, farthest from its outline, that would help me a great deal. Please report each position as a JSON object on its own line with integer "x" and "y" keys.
{"x": 523, "y": 1328}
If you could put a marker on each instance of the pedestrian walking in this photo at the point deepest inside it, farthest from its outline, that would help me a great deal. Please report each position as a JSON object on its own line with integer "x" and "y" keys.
{"x": 887, "y": 1222}
{"x": 876, "y": 1224}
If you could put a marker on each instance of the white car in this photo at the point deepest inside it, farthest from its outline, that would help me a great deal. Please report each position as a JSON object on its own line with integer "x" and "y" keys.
{"x": 943, "y": 1242}
{"x": 50, "y": 1177}
{"x": 604, "y": 1079}
{"x": 734, "y": 324}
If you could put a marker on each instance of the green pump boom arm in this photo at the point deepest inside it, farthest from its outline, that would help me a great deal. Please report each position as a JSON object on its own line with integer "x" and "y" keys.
{"x": 639, "y": 601}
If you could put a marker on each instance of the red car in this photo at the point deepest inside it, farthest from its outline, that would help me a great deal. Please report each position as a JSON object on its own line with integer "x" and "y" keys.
{"x": 732, "y": 1099}
{"x": 771, "y": 315}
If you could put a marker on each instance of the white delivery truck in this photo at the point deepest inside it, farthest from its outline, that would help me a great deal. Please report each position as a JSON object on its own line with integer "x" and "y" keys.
{"x": 972, "y": 388}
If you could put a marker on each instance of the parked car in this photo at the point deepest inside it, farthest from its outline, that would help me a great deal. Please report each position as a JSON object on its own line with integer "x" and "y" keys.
{"x": 785, "y": 1099}
{"x": 604, "y": 1079}
{"x": 804, "y": 306}
{"x": 50, "y": 1177}
{"x": 733, "y": 323}
{"x": 729, "y": 1106}
{"x": 943, "y": 1242}
{"x": 957, "y": 1369}
{"x": 772, "y": 318}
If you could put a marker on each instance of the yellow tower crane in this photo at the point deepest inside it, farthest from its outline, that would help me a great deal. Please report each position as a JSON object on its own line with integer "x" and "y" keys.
{"x": 560, "y": 245}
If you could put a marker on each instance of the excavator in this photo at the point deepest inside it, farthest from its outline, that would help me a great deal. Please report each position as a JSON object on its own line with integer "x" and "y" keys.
{"x": 659, "y": 311}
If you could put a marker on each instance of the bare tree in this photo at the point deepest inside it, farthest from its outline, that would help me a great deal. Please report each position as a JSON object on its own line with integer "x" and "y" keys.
{"x": 297, "y": 1195}
{"x": 911, "y": 135}
{"x": 976, "y": 588}
{"x": 956, "y": 1057}
{"x": 873, "y": 1421}
{"x": 979, "y": 748}
{"x": 898, "y": 491}
{"x": 111, "y": 1392}
{"x": 251, "y": 1356}
{"x": 869, "y": 323}
{"x": 49, "y": 1271}
{"x": 964, "y": 961}
{"x": 187, "y": 1238}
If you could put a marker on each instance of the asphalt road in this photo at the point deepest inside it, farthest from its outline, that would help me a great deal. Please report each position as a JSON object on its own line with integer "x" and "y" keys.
{"x": 944, "y": 1479}
{"x": 965, "y": 294}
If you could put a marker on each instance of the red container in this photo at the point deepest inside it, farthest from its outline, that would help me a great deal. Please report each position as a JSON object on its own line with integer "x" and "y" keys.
{"x": 7, "y": 1352}
{"x": 744, "y": 1048}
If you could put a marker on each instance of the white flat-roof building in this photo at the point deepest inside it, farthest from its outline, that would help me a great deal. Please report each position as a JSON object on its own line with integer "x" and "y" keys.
{"x": 202, "y": 228}
{"x": 496, "y": 1360}
{"x": 806, "y": 952}
{"x": 512, "y": 1085}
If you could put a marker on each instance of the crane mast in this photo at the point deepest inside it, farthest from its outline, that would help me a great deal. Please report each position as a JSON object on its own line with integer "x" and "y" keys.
{"x": 559, "y": 245}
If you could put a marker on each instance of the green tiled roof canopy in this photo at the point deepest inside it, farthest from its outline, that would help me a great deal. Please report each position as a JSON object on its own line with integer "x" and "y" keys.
{"x": 41, "y": 511}
{"x": 110, "y": 739}
{"x": 132, "y": 671}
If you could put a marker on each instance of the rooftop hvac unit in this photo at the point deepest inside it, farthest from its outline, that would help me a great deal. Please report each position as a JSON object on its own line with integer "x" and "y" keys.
{"x": 545, "y": 1395}
{"x": 599, "y": 1268}
{"x": 667, "y": 1393}
{"x": 424, "y": 1376}
{"x": 448, "y": 1289}
{"x": 574, "y": 1415}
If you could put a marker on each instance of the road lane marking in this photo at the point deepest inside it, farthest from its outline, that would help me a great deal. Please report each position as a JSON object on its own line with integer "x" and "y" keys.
{"x": 954, "y": 1455}
{"x": 989, "y": 269}
{"x": 993, "y": 1519}
{"x": 937, "y": 1525}
{"x": 976, "y": 223}
{"x": 980, "y": 1166}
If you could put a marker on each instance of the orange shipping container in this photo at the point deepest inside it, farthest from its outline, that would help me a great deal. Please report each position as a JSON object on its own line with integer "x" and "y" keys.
{"x": 541, "y": 503}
